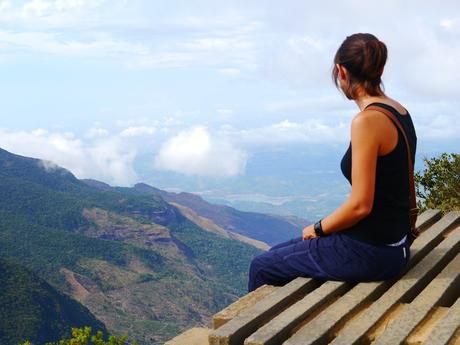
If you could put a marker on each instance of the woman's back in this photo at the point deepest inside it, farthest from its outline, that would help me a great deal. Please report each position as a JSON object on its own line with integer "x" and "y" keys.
{"x": 364, "y": 239}
{"x": 388, "y": 221}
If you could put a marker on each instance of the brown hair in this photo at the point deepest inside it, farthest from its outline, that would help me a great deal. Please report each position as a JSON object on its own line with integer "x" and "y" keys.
{"x": 364, "y": 57}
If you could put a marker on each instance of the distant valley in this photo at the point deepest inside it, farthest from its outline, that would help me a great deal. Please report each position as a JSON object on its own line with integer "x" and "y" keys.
{"x": 142, "y": 260}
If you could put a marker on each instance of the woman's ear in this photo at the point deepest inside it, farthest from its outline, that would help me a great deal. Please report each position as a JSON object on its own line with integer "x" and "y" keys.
{"x": 342, "y": 72}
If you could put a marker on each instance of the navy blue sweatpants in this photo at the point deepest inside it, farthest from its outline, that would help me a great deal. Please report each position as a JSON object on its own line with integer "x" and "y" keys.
{"x": 334, "y": 257}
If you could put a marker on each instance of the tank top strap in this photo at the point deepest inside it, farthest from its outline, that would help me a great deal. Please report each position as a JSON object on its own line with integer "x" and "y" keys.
{"x": 389, "y": 108}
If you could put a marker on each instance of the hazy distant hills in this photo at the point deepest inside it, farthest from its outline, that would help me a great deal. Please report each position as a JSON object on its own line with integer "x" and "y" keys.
{"x": 303, "y": 180}
{"x": 30, "y": 309}
{"x": 128, "y": 254}
{"x": 270, "y": 229}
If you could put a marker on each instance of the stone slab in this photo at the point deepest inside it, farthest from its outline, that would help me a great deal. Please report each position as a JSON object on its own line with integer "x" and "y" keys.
{"x": 411, "y": 283}
{"x": 322, "y": 328}
{"x": 244, "y": 302}
{"x": 279, "y": 328}
{"x": 249, "y": 320}
{"x": 445, "y": 330}
{"x": 193, "y": 336}
{"x": 434, "y": 234}
{"x": 427, "y": 218}
{"x": 407, "y": 321}
{"x": 425, "y": 328}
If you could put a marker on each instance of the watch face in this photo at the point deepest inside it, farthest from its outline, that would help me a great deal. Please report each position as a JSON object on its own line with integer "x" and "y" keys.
{"x": 318, "y": 230}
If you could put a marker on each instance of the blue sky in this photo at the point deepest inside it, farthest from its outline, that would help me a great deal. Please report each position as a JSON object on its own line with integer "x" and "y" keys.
{"x": 198, "y": 86}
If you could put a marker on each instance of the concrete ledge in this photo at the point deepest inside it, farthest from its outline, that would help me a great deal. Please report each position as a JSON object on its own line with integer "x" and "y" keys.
{"x": 403, "y": 290}
{"x": 427, "y": 218}
{"x": 421, "y": 306}
{"x": 280, "y": 327}
{"x": 227, "y": 314}
{"x": 447, "y": 330}
{"x": 324, "y": 328}
{"x": 193, "y": 336}
{"x": 239, "y": 328}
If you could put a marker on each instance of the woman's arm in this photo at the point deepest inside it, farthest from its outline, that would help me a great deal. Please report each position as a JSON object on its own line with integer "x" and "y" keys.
{"x": 365, "y": 146}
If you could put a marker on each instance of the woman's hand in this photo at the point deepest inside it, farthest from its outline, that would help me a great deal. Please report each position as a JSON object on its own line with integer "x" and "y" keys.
{"x": 309, "y": 233}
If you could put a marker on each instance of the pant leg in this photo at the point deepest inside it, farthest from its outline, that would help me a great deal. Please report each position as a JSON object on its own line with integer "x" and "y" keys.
{"x": 282, "y": 264}
{"x": 346, "y": 259}
{"x": 287, "y": 243}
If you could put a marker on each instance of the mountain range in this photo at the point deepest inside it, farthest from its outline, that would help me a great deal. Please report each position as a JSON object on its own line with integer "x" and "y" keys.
{"x": 138, "y": 260}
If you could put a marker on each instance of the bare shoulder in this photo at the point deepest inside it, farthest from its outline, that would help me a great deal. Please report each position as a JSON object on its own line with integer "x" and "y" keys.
{"x": 395, "y": 104}
{"x": 367, "y": 119}
{"x": 368, "y": 127}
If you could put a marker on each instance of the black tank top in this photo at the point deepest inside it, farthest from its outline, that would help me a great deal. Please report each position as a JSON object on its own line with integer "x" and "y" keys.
{"x": 388, "y": 220}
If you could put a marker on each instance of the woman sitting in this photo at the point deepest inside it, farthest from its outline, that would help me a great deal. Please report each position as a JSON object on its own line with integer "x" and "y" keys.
{"x": 365, "y": 239}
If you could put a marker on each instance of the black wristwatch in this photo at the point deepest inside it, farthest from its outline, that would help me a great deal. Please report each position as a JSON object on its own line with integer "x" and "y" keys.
{"x": 319, "y": 229}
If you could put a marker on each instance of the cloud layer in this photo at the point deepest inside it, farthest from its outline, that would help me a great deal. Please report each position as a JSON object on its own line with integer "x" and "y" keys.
{"x": 199, "y": 85}
{"x": 195, "y": 152}
{"x": 107, "y": 159}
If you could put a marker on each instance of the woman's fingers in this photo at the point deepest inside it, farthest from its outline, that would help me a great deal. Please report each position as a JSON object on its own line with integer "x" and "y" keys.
{"x": 308, "y": 232}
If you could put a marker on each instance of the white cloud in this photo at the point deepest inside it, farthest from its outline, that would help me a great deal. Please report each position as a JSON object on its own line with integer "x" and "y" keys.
{"x": 286, "y": 124}
{"x": 95, "y": 132}
{"x": 138, "y": 131}
{"x": 108, "y": 159}
{"x": 225, "y": 112}
{"x": 245, "y": 44}
{"x": 286, "y": 132}
{"x": 230, "y": 72}
{"x": 47, "y": 165}
{"x": 195, "y": 152}
{"x": 55, "y": 44}
{"x": 438, "y": 127}
{"x": 5, "y": 5}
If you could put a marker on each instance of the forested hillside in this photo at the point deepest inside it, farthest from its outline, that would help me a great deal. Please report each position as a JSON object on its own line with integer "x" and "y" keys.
{"x": 133, "y": 260}
{"x": 30, "y": 309}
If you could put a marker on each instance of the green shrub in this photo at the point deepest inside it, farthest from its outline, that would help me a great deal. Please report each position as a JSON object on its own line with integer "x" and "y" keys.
{"x": 438, "y": 184}
{"x": 82, "y": 336}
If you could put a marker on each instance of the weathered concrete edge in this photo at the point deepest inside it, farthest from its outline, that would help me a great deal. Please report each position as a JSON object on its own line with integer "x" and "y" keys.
{"x": 248, "y": 300}
{"x": 418, "y": 309}
{"x": 416, "y": 278}
{"x": 277, "y": 330}
{"x": 321, "y": 327}
{"x": 237, "y": 329}
{"x": 445, "y": 329}
{"x": 428, "y": 218}
{"x": 192, "y": 336}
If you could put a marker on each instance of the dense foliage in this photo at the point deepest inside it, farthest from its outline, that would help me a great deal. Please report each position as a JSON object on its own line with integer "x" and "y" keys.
{"x": 42, "y": 228}
{"x": 438, "y": 184}
{"x": 32, "y": 309}
{"x": 83, "y": 336}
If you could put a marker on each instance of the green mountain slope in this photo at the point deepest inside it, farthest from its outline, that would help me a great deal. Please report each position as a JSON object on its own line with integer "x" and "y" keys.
{"x": 270, "y": 229}
{"x": 32, "y": 310}
{"x": 132, "y": 259}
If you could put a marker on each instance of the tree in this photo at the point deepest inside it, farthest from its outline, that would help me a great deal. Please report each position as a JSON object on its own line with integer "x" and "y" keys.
{"x": 82, "y": 336}
{"x": 438, "y": 184}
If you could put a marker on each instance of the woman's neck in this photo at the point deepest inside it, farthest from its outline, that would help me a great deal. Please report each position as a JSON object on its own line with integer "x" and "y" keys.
{"x": 365, "y": 100}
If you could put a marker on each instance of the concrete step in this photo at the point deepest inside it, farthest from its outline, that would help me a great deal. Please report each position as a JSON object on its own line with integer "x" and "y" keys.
{"x": 441, "y": 288}
{"x": 420, "y": 306}
{"x": 324, "y": 328}
{"x": 250, "y": 319}
{"x": 360, "y": 329}
{"x": 428, "y": 218}
{"x": 227, "y": 314}
{"x": 279, "y": 328}
{"x": 256, "y": 316}
{"x": 447, "y": 330}
{"x": 193, "y": 336}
